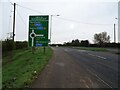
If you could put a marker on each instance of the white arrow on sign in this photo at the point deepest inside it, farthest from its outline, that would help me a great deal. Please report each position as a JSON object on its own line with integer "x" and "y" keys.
{"x": 39, "y": 35}
{"x": 34, "y": 35}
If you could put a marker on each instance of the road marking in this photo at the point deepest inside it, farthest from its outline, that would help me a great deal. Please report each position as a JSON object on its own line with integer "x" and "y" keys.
{"x": 103, "y": 81}
{"x": 85, "y": 84}
{"x": 100, "y": 57}
{"x": 66, "y": 50}
{"x": 90, "y": 81}
{"x": 60, "y": 64}
{"x": 97, "y": 56}
{"x": 82, "y": 50}
{"x": 99, "y": 78}
{"x": 91, "y": 54}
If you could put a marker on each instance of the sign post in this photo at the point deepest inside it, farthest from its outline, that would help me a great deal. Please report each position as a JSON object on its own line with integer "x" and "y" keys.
{"x": 38, "y": 30}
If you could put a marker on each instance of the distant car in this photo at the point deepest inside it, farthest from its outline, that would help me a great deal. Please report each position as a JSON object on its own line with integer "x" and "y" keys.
{"x": 56, "y": 45}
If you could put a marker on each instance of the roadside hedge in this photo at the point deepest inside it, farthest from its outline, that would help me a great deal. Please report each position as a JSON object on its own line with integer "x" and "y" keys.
{"x": 9, "y": 45}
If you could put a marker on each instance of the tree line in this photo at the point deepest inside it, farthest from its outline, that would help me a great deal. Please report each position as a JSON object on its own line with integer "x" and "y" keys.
{"x": 100, "y": 40}
{"x": 85, "y": 43}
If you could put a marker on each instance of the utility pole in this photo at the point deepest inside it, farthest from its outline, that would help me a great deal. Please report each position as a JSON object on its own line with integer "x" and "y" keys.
{"x": 14, "y": 21}
{"x": 114, "y": 34}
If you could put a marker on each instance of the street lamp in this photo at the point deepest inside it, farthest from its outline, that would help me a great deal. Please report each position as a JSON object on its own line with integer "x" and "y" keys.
{"x": 115, "y": 32}
{"x": 51, "y": 25}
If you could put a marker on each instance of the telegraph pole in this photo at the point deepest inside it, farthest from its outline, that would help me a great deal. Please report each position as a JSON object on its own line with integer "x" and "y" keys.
{"x": 114, "y": 34}
{"x": 14, "y": 21}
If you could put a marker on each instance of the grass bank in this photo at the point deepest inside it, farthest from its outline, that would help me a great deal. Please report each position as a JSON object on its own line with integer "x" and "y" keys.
{"x": 20, "y": 69}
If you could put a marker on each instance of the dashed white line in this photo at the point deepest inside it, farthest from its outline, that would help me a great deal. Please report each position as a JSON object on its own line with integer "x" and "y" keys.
{"x": 97, "y": 56}
{"x": 82, "y": 50}
{"x": 91, "y": 54}
{"x": 66, "y": 50}
{"x": 100, "y": 57}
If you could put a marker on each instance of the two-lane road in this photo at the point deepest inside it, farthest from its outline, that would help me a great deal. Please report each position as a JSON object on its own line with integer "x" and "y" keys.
{"x": 75, "y": 68}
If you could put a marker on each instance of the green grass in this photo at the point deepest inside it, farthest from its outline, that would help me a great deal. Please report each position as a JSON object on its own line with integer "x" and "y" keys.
{"x": 19, "y": 71}
{"x": 92, "y": 48}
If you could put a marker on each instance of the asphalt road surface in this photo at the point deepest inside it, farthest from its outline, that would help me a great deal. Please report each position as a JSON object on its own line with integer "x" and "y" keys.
{"x": 75, "y": 68}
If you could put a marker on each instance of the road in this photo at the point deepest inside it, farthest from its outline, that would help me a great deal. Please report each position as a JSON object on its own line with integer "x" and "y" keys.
{"x": 75, "y": 68}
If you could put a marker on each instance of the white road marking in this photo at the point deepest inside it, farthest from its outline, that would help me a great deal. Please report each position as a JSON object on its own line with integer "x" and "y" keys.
{"x": 103, "y": 81}
{"x": 100, "y": 57}
{"x": 85, "y": 84}
{"x": 90, "y": 81}
{"x": 82, "y": 50}
{"x": 66, "y": 50}
{"x": 99, "y": 78}
{"x": 91, "y": 54}
{"x": 97, "y": 56}
{"x": 60, "y": 64}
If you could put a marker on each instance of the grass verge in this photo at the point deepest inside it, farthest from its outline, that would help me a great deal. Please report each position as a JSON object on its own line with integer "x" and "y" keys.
{"x": 24, "y": 67}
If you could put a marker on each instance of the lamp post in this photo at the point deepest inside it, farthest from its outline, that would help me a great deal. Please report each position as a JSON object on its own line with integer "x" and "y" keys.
{"x": 51, "y": 25}
{"x": 115, "y": 32}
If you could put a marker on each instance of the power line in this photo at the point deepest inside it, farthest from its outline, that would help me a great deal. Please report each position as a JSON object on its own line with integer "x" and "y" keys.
{"x": 80, "y": 21}
{"x": 9, "y": 21}
{"x": 30, "y": 9}
{"x": 10, "y": 2}
{"x": 21, "y": 18}
{"x": 64, "y": 18}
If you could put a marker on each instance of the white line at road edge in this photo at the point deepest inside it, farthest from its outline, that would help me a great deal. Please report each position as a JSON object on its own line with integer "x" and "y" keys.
{"x": 99, "y": 78}
{"x": 97, "y": 56}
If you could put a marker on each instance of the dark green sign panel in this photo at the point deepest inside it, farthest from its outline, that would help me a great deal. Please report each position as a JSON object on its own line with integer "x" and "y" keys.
{"x": 38, "y": 30}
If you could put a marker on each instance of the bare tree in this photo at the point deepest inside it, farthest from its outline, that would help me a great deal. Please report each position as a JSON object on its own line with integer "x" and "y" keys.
{"x": 101, "y": 38}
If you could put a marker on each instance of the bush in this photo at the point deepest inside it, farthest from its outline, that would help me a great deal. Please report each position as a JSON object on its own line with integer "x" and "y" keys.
{"x": 20, "y": 45}
{"x": 9, "y": 45}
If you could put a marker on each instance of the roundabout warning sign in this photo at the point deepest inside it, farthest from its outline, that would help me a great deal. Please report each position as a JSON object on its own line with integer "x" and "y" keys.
{"x": 38, "y": 30}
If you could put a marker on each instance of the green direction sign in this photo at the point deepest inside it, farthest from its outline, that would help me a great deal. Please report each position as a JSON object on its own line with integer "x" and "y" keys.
{"x": 38, "y": 30}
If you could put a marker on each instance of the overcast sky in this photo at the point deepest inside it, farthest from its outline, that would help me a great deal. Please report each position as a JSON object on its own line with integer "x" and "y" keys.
{"x": 79, "y": 19}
